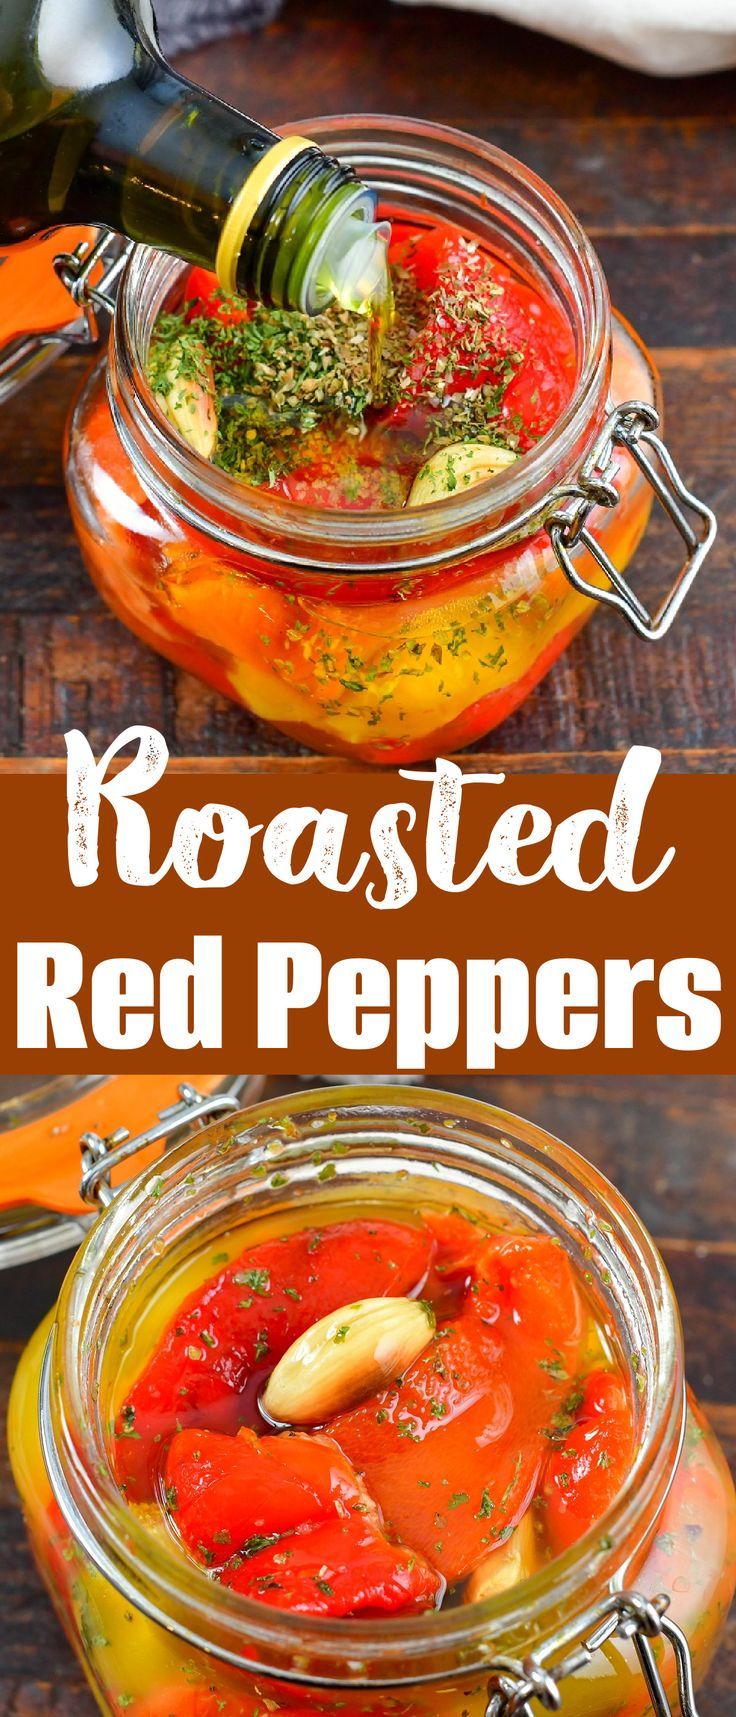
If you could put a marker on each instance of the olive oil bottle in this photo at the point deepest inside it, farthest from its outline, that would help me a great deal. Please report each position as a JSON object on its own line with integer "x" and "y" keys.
{"x": 96, "y": 128}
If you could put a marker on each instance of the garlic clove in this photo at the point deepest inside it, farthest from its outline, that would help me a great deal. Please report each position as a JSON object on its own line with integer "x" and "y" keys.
{"x": 189, "y": 398}
{"x": 453, "y": 470}
{"x": 349, "y": 1354}
{"x": 513, "y": 1561}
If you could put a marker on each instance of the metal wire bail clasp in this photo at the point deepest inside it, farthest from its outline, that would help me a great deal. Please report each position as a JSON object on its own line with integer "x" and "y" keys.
{"x": 100, "y": 1156}
{"x": 623, "y": 1615}
{"x": 91, "y": 274}
{"x": 631, "y": 426}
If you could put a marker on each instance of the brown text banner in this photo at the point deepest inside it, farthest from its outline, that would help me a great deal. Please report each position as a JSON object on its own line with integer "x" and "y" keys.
{"x": 372, "y": 922}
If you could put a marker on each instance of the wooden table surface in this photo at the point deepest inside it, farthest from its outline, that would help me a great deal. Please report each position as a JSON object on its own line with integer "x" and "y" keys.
{"x": 650, "y": 167}
{"x": 671, "y": 1146}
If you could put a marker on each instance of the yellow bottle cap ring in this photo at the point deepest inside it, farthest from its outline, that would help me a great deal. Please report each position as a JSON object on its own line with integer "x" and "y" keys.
{"x": 249, "y": 197}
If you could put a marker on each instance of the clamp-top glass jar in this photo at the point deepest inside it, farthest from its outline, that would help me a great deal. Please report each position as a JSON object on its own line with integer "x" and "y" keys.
{"x": 158, "y": 1635}
{"x": 388, "y": 636}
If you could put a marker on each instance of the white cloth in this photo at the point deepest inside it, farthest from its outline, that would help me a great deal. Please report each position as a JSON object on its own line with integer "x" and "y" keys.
{"x": 189, "y": 23}
{"x": 669, "y": 38}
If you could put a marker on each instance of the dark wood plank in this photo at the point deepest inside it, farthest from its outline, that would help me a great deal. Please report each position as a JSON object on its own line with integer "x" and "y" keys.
{"x": 676, "y": 287}
{"x": 32, "y": 428}
{"x": 60, "y": 692}
{"x": 616, "y": 173}
{"x": 670, "y": 1147}
{"x": 704, "y": 1280}
{"x": 311, "y": 763}
{"x": 66, "y": 1698}
{"x": 42, "y": 568}
{"x": 669, "y": 1144}
{"x": 11, "y": 685}
{"x": 458, "y": 67}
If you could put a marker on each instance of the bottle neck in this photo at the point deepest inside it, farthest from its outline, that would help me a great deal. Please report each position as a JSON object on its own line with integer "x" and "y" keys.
{"x": 159, "y": 160}
{"x": 97, "y": 129}
{"x": 171, "y": 166}
{"x": 302, "y": 232}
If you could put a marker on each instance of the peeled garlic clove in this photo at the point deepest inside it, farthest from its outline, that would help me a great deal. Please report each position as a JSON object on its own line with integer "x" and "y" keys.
{"x": 345, "y": 1356}
{"x": 189, "y": 397}
{"x": 454, "y": 469}
{"x": 512, "y": 1561}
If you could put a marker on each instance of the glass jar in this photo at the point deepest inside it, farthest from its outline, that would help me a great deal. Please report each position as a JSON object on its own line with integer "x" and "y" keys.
{"x": 156, "y": 1636}
{"x": 41, "y": 1123}
{"x": 386, "y": 636}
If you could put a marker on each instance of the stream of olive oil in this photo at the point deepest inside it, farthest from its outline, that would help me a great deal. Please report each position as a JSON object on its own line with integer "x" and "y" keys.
{"x": 380, "y": 319}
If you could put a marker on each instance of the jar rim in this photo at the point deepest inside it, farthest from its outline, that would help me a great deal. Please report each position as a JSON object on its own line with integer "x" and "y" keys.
{"x": 490, "y": 184}
{"x": 471, "y": 1135}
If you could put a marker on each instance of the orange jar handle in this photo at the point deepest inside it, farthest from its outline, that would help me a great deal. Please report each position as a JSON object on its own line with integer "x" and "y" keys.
{"x": 40, "y": 1160}
{"x": 33, "y": 298}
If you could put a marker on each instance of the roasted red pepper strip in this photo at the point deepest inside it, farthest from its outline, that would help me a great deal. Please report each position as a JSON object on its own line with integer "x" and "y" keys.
{"x": 183, "y": 1700}
{"x": 223, "y": 1491}
{"x": 285, "y": 1520}
{"x": 344, "y": 1568}
{"x": 454, "y": 1452}
{"x": 239, "y": 1323}
{"x": 197, "y": 1702}
{"x": 525, "y": 341}
{"x": 204, "y": 296}
{"x": 322, "y": 484}
{"x": 459, "y": 1242}
{"x": 585, "y": 1474}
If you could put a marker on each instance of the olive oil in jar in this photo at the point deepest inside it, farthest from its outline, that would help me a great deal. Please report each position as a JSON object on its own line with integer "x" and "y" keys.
{"x": 381, "y": 313}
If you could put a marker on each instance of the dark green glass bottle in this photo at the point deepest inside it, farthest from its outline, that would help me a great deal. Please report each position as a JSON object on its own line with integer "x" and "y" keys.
{"x": 96, "y": 129}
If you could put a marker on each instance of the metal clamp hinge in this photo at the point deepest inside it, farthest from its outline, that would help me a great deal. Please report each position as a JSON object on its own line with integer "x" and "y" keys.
{"x": 77, "y": 270}
{"x": 100, "y": 1156}
{"x": 623, "y": 1615}
{"x": 631, "y": 426}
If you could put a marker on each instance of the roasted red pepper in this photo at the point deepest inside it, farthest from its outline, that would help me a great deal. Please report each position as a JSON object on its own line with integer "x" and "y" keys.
{"x": 411, "y": 1489}
{"x": 285, "y": 1520}
{"x": 453, "y": 1453}
{"x": 485, "y": 325}
{"x": 185, "y": 1700}
{"x": 204, "y": 296}
{"x": 586, "y": 1471}
{"x": 459, "y": 1242}
{"x": 354, "y": 484}
{"x": 229, "y": 1334}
